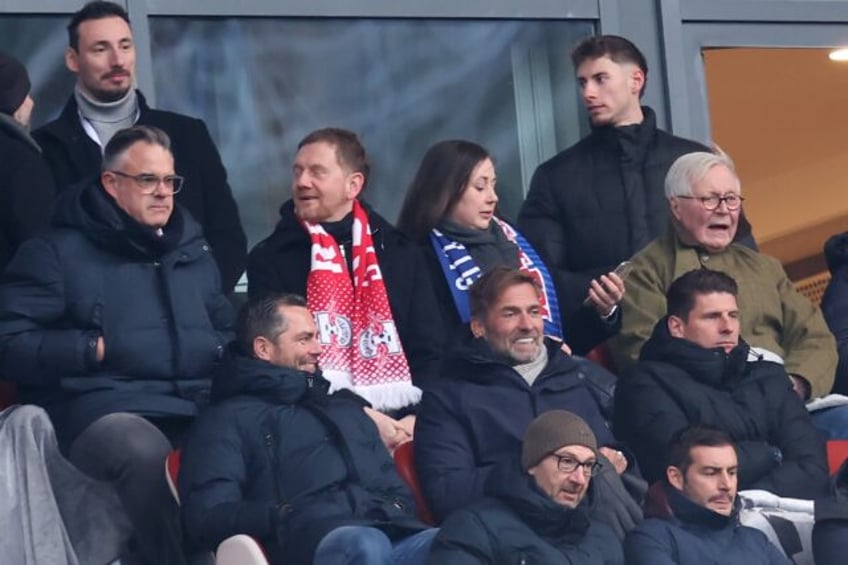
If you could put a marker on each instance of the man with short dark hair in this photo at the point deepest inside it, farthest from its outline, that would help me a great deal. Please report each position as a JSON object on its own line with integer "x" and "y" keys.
{"x": 112, "y": 322}
{"x": 693, "y": 513}
{"x": 695, "y": 369}
{"x": 278, "y": 457}
{"x": 101, "y": 52}
{"x": 494, "y": 382}
{"x": 365, "y": 281}
{"x": 26, "y": 186}
{"x": 601, "y": 200}
{"x": 540, "y": 512}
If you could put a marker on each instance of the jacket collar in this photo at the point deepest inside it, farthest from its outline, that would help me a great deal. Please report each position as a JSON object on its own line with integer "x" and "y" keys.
{"x": 240, "y": 375}
{"x": 471, "y": 359}
{"x": 518, "y": 490}
{"x": 689, "y": 512}
{"x": 712, "y": 367}
{"x": 290, "y": 232}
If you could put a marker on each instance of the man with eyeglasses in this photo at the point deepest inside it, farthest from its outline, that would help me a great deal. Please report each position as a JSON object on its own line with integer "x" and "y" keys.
{"x": 694, "y": 515}
{"x": 113, "y": 322}
{"x": 540, "y": 512}
{"x": 705, "y": 202}
{"x": 101, "y": 52}
{"x": 494, "y": 381}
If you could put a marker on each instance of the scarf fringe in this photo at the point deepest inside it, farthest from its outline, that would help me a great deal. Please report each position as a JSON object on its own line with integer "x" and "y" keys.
{"x": 383, "y": 396}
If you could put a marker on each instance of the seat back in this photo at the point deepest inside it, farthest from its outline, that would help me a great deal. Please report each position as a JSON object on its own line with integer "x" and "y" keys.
{"x": 602, "y": 356}
{"x": 405, "y": 465}
{"x": 837, "y": 452}
{"x": 7, "y": 394}
{"x": 656, "y": 502}
{"x": 172, "y": 471}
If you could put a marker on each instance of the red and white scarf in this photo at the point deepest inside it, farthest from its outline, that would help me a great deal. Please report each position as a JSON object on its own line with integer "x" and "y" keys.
{"x": 360, "y": 345}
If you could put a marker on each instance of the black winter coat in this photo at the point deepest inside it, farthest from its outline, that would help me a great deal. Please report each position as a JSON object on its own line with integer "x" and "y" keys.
{"x": 474, "y": 418}
{"x": 835, "y": 304}
{"x": 696, "y": 535}
{"x": 518, "y": 523}
{"x": 277, "y": 458}
{"x": 600, "y": 201}
{"x": 156, "y": 302}
{"x": 281, "y": 263}
{"x": 26, "y": 189}
{"x": 73, "y": 157}
{"x": 678, "y": 383}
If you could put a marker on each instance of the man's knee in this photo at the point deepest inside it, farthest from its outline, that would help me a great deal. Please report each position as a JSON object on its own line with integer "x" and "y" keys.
{"x": 124, "y": 441}
{"x": 357, "y": 544}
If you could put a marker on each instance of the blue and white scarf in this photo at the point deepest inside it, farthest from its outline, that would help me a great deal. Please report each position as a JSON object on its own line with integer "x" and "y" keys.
{"x": 461, "y": 271}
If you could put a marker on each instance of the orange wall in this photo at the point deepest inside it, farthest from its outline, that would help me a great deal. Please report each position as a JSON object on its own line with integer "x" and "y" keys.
{"x": 782, "y": 115}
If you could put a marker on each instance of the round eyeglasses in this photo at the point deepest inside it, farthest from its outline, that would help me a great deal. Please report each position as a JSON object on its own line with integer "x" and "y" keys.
{"x": 149, "y": 183}
{"x": 711, "y": 203}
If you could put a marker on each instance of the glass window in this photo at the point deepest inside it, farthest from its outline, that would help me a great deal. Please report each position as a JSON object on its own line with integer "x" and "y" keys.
{"x": 261, "y": 84}
{"x": 39, "y": 43}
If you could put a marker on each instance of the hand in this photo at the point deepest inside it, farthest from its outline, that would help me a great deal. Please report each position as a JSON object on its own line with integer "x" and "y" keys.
{"x": 407, "y": 425}
{"x": 605, "y": 293}
{"x": 100, "y": 351}
{"x": 800, "y": 386}
{"x": 392, "y": 433}
{"x": 617, "y": 458}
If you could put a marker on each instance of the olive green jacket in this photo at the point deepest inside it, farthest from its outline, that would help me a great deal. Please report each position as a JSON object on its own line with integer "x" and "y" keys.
{"x": 773, "y": 315}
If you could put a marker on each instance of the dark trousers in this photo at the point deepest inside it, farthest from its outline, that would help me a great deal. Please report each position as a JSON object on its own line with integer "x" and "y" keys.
{"x": 129, "y": 451}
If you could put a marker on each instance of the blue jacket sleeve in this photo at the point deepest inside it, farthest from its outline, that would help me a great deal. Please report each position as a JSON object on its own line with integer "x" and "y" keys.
{"x": 444, "y": 457}
{"x": 647, "y": 546}
{"x": 35, "y": 348}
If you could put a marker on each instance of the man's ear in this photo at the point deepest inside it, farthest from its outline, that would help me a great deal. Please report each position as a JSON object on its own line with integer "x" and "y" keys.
{"x": 71, "y": 59}
{"x": 676, "y": 325}
{"x": 110, "y": 183}
{"x": 477, "y": 328}
{"x": 637, "y": 80}
{"x": 262, "y": 348}
{"x": 674, "y": 207}
{"x": 675, "y": 477}
{"x": 355, "y": 182}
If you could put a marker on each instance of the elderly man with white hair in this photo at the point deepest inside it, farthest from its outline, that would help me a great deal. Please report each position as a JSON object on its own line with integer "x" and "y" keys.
{"x": 705, "y": 201}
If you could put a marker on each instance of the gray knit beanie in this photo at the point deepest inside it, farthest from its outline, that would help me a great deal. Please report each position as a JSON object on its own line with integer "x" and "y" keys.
{"x": 551, "y": 431}
{"x": 14, "y": 84}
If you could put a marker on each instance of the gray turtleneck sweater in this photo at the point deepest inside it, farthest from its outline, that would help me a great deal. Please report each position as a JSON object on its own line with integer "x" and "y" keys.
{"x": 107, "y": 117}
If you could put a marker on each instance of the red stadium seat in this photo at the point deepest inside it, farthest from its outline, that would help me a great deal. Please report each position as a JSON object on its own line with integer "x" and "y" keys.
{"x": 601, "y": 355}
{"x": 837, "y": 452}
{"x": 7, "y": 394}
{"x": 405, "y": 464}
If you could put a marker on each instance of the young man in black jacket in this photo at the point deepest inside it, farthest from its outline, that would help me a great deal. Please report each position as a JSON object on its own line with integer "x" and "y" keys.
{"x": 540, "y": 512}
{"x": 602, "y": 199}
{"x": 696, "y": 369}
{"x": 694, "y": 512}
{"x": 278, "y": 457}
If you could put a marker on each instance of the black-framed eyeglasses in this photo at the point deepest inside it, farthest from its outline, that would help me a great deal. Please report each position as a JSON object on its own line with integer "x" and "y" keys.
{"x": 711, "y": 203}
{"x": 149, "y": 183}
{"x": 568, "y": 464}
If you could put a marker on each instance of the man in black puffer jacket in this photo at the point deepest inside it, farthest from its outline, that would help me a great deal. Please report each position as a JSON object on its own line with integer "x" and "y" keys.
{"x": 278, "y": 457}
{"x": 113, "y": 321}
{"x": 601, "y": 200}
{"x": 539, "y": 513}
{"x": 696, "y": 370}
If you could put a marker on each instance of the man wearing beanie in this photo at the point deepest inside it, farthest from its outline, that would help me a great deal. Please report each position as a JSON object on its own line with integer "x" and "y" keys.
{"x": 538, "y": 512}
{"x": 101, "y": 53}
{"x": 26, "y": 186}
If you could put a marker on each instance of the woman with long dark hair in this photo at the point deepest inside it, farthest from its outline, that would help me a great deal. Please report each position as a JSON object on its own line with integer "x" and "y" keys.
{"x": 451, "y": 208}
